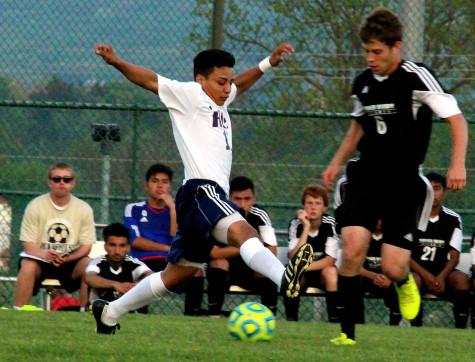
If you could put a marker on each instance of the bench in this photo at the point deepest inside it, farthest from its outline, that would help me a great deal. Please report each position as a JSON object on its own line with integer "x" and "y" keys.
{"x": 464, "y": 265}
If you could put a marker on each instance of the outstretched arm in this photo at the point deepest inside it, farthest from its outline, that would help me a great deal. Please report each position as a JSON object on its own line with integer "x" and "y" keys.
{"x": 143, "y": 77}
{"x": 457, "y": 174}
{"x": 346, "y": 149}
{"x": 246, "y": 79}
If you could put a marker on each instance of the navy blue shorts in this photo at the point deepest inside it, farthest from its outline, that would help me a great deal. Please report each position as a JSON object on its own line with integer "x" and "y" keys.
{"x": 200, "y": 204}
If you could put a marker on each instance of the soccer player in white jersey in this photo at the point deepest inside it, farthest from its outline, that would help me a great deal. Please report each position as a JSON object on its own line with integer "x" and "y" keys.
{"x": 202, "y": 131}
{"x": 394, "y": 100}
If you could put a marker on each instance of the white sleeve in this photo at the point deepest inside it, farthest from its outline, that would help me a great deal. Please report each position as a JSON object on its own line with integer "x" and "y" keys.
{"x": 442, "y": 104}
{"x": 92, "y": 266}
{"x": 472, "y": 252}
{"x": 179, "y": 96}
{"x": 456, "y": 240}
{"x": 293, "y": 239}
{"x": 331, "y": 247}
{"x": 139, "y": 270}
{"x": 267, "y": 234}
{"x": 358, "y": 109}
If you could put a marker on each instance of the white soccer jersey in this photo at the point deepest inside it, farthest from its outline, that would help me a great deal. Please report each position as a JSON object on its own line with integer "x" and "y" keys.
{"x": 201, "y": 128}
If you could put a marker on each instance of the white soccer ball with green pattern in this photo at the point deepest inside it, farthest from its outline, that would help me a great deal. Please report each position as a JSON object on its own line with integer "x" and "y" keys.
{"x": 251, "y": 322}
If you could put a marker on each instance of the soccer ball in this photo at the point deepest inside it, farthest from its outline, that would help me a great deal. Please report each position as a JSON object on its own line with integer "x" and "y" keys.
{"x": 251, "y": 322}
{"x": 58, "y": 233}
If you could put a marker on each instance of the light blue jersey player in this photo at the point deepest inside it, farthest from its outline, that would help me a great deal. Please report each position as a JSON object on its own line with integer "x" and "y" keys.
{"x": 202, "y": 132}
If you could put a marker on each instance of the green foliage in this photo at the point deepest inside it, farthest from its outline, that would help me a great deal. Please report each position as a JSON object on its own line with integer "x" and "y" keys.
{"x": 328, "y": 49}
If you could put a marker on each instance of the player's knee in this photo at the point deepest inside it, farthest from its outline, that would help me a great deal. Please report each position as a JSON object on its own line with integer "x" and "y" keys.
{"x": 239, "y": 232}
{"x": 394, "y": 271}
{"x": 353, "y": 257}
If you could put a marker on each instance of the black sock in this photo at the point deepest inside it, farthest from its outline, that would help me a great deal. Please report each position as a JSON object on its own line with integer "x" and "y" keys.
{"x": 349, "y": 289}
{"x": 391, "y": 301}
{"x": 418, "y": 321}
{"x": 332, "y": 307}
{"x": 461, "y": 300}
{"x": 194, "y": 295}
{"x": 291, "y": 308}
{"x": 217, "y": 285}
{"x": 268, "y": 292}
{"x": 394, "y": 317}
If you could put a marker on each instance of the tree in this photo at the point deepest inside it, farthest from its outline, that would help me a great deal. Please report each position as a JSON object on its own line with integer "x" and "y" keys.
{"x": 328, "y": 50}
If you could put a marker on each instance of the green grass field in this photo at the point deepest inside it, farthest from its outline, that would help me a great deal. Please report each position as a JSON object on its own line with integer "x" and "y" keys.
{"x": 70, "y": 336}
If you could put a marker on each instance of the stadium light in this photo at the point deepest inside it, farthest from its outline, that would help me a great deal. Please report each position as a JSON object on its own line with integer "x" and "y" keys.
{"x": 105, "y": 131}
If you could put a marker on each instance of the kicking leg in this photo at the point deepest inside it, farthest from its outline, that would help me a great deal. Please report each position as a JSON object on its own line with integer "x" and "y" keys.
{"x": 239, "y": 233}
{"x": 145, "y": 292}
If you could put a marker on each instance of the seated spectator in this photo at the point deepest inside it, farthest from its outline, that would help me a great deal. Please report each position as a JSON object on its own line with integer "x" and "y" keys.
{"x": 312, "y": 225}
{"x": 111, "y": 275}
{"x": 152, "y": 223}
{"x": 152, "y": 227}
{"x": 57, "y": 232}
{"x": 436, "y": 254}
{"x": 375, "y": 282}
{"x": 226, "y": 266}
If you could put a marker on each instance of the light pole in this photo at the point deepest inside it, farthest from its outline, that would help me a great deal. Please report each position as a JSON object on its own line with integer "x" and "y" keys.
{"x": 105, "y": 134}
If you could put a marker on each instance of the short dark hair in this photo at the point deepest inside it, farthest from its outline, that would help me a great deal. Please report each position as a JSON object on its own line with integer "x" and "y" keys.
{"x": 438, "y": 178}
{"x": 383, "y": 25}
{"x": 315, "y": 191}
{"x": 158, "y": 168}
{"x": 205, "y": 61}
{"x": 115, "y": 229}
{"x": 241, "y": 183}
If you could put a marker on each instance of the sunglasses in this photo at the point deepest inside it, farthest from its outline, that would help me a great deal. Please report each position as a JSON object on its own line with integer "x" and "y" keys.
{"x": 58, "y": 179}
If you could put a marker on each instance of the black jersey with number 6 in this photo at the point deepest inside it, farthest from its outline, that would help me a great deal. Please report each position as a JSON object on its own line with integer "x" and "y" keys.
{"x": 395, "y": 113}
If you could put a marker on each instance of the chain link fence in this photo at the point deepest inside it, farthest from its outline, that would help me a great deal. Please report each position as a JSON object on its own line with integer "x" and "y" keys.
{"x": 53, "y": 89}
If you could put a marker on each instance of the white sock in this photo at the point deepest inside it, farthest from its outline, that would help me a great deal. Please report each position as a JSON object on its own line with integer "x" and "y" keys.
{"x": 144, "y": 293}
{"x": 260, "y": 259}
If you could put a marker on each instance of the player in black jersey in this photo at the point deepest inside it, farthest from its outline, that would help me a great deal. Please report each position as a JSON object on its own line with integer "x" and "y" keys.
{"x": 227, "y": 267}
{"x": 436, "y": 254}
{"x": 111, "y": 275}
{"x": 313, "y": 226}
{"x": 394, "y": 100}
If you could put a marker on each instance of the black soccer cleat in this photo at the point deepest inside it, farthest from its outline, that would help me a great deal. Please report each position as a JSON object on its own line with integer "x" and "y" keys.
{"x": 97, "y": 308}
{"x": 294, "y": 271}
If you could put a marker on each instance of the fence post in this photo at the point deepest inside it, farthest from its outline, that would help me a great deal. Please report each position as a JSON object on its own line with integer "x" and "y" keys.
{"x": 106, "y": 180}
{"x": 217, "y": 25}
{"x": 412, "y": 17}
{"x": 134, "y": 166}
